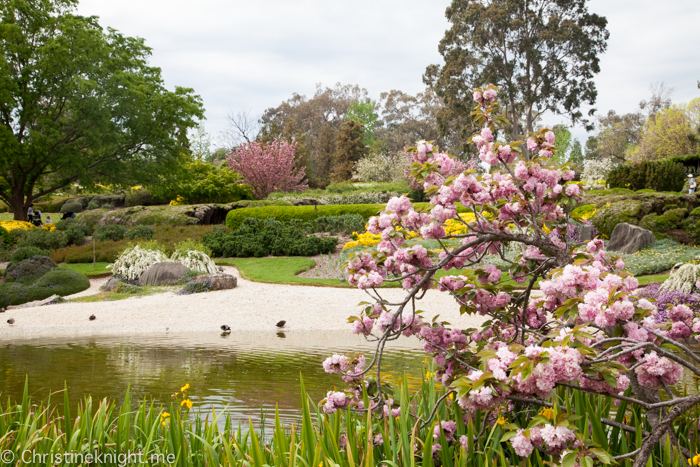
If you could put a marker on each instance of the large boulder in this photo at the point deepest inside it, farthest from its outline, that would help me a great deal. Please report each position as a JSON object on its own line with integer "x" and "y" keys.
{"x": 161, "y": 273}
{"x": 628, "y": 238}
{"x": 218, "y": 281}
{"x": 112, "y": 283}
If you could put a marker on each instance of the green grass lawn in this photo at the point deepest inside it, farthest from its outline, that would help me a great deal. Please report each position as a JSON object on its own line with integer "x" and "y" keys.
{"x": 100, "y": 269}
{"x": 284, "y": 270}
{"x": 279, "y": 270}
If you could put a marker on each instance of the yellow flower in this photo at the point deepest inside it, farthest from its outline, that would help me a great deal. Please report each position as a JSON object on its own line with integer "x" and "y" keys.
{"x": 12, "y": 225}
{"x": 177, "y": 201}
{"x": 187, "y": 403}
{"x": 185, "y": 387}
{"x": 165, "y": 416}
{"x": 501, "y": 421}
{"x": 695, "y": 460}
{"x": 547, "y": 413}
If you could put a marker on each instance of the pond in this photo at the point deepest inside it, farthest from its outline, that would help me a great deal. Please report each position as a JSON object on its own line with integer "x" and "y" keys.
{"x": 242, "y": 372}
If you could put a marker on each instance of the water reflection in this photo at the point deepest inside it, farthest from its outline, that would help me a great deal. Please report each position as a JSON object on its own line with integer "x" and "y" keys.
{"x": 240, "y": 371}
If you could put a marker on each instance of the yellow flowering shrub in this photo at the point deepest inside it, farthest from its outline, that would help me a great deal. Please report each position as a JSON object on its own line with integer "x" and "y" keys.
{"x": 452, "y": 227}
{"x": 49, "y": 227}
{"x": 12, "y": 225}
{"x": 179, "y": 200}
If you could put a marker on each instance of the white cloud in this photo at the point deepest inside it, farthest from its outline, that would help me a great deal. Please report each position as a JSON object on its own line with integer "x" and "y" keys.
{"x": 254, "y": 54}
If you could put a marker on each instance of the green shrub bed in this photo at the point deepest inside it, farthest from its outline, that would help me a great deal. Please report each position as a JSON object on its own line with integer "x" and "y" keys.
{"x": 264, "y": 237}
{"x": 661, "y": 256}
{"x": 39, "y": 283}
{"x": 107, "y": 251}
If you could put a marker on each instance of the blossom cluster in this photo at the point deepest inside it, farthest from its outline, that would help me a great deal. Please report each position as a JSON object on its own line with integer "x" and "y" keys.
{"x": 587, "y": 326}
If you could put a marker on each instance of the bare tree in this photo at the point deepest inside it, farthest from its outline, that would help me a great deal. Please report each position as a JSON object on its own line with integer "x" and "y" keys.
{"x": 660, "y": 98}
{"x": 242, "y": 128}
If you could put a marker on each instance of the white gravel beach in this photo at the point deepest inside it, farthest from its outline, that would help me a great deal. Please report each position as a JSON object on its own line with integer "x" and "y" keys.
{"x": 251, "y": 306}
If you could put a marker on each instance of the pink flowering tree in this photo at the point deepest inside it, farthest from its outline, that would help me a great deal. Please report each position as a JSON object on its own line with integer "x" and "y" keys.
{"x": 268, "y": 167}
{"x": 584, "y": 329}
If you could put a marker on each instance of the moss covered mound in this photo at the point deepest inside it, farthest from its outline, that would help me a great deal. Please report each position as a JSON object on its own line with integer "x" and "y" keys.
{"x": 54, "y": 282}
{"x": 607, "y": 217}
{"x": 659, "y": 212}
{"x": 29, "y": 270}
{"x": 194, "y": 214}
{"x": 662, "y": 223}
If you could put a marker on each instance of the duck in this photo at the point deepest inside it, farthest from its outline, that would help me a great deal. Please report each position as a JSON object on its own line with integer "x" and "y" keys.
{"x": 281, "y": 324}
{"x": 92, "y": 318}
{"x": 11, "y": 321}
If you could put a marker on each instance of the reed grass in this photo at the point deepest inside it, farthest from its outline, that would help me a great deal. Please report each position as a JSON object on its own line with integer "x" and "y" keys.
{"x": 150, "y": 434}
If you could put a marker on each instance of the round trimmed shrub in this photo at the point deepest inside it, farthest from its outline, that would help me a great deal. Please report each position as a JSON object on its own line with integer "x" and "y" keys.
{"x": 141, "y": 231}
{"x": 6, "y": 237}
{"x": 27, "y": 252}
{"x": 75, "y": 235}
{"x": 45, "y": 240}
{"x": 112, "y": 232}
{"x": 55, "y": 282}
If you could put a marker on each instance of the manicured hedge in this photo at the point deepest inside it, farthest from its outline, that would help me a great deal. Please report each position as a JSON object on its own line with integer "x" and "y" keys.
{"x": 664, "y": 175}
{"x": 264, "y": 237}
{"x": 304, "y": 213}
{"x": 309, "y": 213}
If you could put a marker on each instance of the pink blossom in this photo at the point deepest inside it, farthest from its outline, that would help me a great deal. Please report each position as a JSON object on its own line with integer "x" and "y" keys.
{"x": 478, "y": 97}
{"x": 268, "y": 167}
{"x": 550, "y": 137}
{"x": 487, "y": 134}
{"x": 490, "y": 94}
{"x": 521, "y": 445}
{"x": 531, "y": 144}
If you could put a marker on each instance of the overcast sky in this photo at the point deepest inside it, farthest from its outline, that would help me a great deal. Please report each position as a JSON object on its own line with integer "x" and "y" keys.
{"x": 243, "y": 54}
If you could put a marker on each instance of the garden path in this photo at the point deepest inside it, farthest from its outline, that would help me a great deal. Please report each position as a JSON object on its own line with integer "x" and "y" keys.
{"x": 252, "y": 306}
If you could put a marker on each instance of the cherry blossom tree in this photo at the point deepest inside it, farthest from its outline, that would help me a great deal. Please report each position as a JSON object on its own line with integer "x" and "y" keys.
{"x": 268, "y": 167}
{"x": 585, "y": 329}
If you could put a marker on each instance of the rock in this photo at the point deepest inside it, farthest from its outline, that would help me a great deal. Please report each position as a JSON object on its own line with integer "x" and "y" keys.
{"x": 681, "y": 236}
{"x": 305, "y": 202}
{"x": 628, "y": 238}
{"x": 43, "y": 302}
{"x": 162, "y": 272}
{"x": 218, "y": 281}
{"x": 585, "y": 233}
{"x": 111, "y": 284}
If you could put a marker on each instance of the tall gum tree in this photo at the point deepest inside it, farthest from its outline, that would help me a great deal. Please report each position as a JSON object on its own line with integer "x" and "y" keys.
{"x": 79, "y": 105}
{"x": 542, "y": 54}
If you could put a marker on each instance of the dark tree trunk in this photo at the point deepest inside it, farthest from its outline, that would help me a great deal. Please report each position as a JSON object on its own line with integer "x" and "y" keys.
{"x": 18, "y": 207}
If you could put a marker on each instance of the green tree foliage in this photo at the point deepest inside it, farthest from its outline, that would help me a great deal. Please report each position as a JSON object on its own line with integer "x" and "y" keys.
{"x": 562, "y": 140}
{"x": 200, "y": 182}
{"x": 350, "y": 148}
{"x": 542, "y": 55}
{"x": 365, "y": 113}
{"x": 313, "y": 123}
{"x": 668, "y": 134}
{"x": 618, "y": 134}
{"x": 576, "y": 156}
{"x": 78, "y": 104}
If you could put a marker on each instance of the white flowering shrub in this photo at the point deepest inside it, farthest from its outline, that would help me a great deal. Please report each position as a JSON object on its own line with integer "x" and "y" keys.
{"x": 381, "y": 168}
{"x": 682, "y": 279}
{"x": 134, "y": 261}
{"x": 195, "y": 260}
{"x": 596, "y": 171}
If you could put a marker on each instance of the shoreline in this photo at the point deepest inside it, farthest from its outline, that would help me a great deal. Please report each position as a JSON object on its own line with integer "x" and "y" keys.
{"x": 250, "y": 307}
